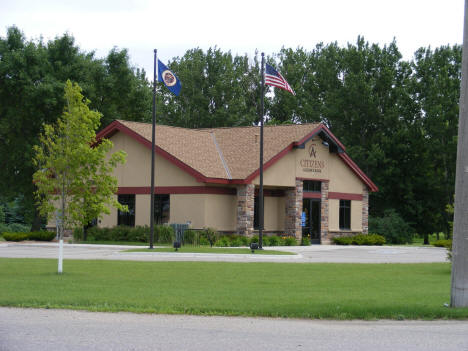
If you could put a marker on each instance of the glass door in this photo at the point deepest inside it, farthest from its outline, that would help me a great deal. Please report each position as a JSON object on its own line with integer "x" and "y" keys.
{"x": 311, "y": 229}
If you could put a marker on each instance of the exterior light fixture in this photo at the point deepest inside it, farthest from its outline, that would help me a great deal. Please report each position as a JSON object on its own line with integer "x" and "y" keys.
{"x": 253, "y": 247}
{"x": 325, "y": 143}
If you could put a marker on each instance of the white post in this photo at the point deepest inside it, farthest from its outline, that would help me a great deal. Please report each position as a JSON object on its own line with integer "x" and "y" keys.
{"x": 60, "y": 260}
{"x": 459, "y": 290}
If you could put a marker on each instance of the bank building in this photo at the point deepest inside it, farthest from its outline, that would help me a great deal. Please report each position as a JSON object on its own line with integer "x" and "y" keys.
{"x": 210, "y": 178}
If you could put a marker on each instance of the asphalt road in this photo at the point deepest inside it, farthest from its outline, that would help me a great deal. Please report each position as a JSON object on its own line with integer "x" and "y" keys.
{"x": 41, "y": 329}
{"x": 305, "y": 254}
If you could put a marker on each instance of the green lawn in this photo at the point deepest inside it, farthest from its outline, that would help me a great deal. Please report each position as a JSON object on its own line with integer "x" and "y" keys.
{"x": 335, "y": 291}
{"x": 213, "y": 250}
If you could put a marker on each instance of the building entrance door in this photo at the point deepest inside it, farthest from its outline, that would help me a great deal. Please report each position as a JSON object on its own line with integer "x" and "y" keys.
{"x": 311, "y": 209}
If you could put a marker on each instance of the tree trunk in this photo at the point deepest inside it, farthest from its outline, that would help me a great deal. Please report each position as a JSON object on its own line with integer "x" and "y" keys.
{"x": 459, "y": 288}
{"x": 37, "y": 220}
{"x": 85, "y": 231}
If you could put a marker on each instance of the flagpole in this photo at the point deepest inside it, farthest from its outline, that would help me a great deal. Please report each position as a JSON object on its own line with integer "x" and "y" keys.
{"x": 260, "y": 193}
{"x": 153, "y": 141}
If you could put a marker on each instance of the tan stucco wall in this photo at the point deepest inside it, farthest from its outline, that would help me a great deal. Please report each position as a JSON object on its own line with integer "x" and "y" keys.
{"x": 300, "y": 164}
{"x": 136, "y": 171}
{"x": 109, "y": 220}
{"x": 280, "y": 173}
{"x": 342, "y": 178}
{"x": 221, "y": 212}
{"x": 334, "y": 215}
{"x": 356, "y": 216}
{"x": 188, "y": 207}
{"x": 142, "y": 209}
{"x": 274, "y": 213}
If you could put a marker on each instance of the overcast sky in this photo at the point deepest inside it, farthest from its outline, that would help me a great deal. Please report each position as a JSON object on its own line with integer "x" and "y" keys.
{"x": 241, "y": 26}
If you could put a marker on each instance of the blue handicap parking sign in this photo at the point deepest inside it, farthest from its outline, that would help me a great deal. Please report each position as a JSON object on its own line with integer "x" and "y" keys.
{"x": 303, "y": 219}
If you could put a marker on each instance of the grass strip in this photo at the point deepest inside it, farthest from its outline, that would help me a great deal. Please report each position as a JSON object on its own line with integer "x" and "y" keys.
{"x": 331, "y": 291}
{"x": 108, "y": 242}
{"x": 213, "y": 250}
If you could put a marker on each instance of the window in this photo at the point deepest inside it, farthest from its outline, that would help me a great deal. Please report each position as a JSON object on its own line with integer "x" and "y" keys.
{"x": 257, "y": 212}
{"x": 345, "y": 214}
{"x": 312, "y": 186}
{"x": 127, "y": 218}
{"x": 161, "y": 208}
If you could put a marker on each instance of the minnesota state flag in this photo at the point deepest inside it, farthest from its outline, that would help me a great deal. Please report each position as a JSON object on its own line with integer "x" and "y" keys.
{"x": 169, "y": 79}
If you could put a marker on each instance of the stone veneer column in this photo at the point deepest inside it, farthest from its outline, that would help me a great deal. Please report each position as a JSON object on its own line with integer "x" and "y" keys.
{"x": 294, "y": 210}
{"x": 324, "y": 237}
{"x": 365, "y": 211}
{"x": 245, "y": 209}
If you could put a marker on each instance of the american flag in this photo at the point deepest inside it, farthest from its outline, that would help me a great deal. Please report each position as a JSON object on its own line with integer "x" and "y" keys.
{"x": 274, "y": 78}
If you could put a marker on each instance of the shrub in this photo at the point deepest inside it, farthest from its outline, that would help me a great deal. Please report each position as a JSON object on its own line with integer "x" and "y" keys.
{"x": 443, "y": 243}
{"x": 41, "y": 236}
{"x": 222, "y": 242}
{"x": 254, "y": 239}
{"x": 15, "y": 236}
{"x": 343, "y": 240}
{"x": 203, "y": 241}
{"x": 191, "y": 237}
{"x": 244, "y": 240}
{"x": 237, "y": 240}
{"x": 3, "y": 228}
{"x": 290, "y": 241}
{"x": 274, "y": 240}
{"x": 14, "y": 228}
{"x": 305, "y": 241}
{"x": 376, "y": 239}
{"x": 164, "y": 234}
{"x": 360, "y": 239}
{"x": 19, "y": 227}
{"x": 211, "y": 235}
{"x": 265, "y": 240}
{"x": 78, "y": 234}
{"x": 392, "y": 227}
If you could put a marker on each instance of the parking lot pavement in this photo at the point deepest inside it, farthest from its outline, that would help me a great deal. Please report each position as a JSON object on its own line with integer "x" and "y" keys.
{"x": 304, "y": 254}
{"x": 47, "y": 329}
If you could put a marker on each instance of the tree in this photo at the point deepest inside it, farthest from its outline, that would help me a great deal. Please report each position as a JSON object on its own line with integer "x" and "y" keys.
{"x": 74, "y": 176}
{"x": 218, "y": 90}
{"x": 437, "y": 75}
{"x": 32, "y": 78}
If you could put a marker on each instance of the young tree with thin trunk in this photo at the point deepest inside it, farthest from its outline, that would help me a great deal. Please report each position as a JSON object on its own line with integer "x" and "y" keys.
{"x": 74, "y": 178}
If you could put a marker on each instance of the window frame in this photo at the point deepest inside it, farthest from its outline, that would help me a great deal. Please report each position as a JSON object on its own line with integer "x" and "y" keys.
{"x": 126, "y": 218}
{"x": 160, "y": 201}
{"x": 345, "y": 214}
{"x": 311, "y": 186}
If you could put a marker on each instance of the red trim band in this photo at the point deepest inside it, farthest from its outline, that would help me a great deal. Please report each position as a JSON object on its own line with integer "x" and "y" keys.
{"x": 344, "y": 196}
{"x": 315, "y": 179}
{"x": 146, "y": 190}
{"x": 312, "y": 195}
{"x": 271, "y": 192}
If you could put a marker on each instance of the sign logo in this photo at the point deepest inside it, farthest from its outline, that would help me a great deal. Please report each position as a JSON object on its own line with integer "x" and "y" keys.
{"x": 169, "y": 79}
{"x": 312, "y": 152}
{"x": 312, "y": 164}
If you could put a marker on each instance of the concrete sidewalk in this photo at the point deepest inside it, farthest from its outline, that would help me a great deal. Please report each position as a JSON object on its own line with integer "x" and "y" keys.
{"x": 304, "y": 254}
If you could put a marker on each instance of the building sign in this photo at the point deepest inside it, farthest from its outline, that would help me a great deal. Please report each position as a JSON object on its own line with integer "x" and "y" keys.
{"x": 313, "y": 163}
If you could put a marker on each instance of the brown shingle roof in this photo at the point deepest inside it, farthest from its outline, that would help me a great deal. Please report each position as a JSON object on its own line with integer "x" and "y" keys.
{"x": 229, "y": 155}
{"x": 241, "y": 145}
{"x": 204, "y": 149}
{"x": 195, "y": 148}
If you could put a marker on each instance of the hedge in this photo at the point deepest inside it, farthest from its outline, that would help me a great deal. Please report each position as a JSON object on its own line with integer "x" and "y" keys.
{"x": 38, "y": 236}
{"x": 360, "y": 239}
